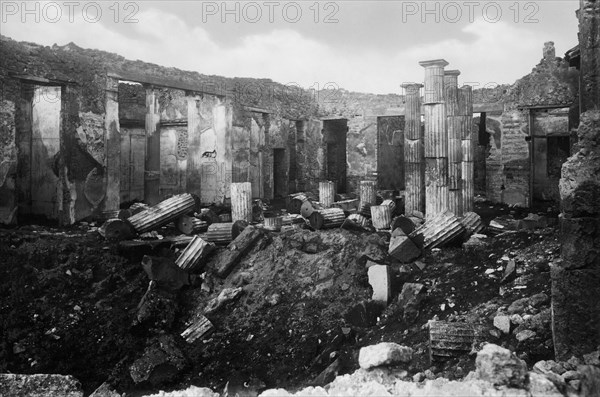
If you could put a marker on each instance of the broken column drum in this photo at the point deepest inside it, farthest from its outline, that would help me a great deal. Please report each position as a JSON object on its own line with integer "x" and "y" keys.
{"x": 309, "y": 206}
{"x": 413, "y": 151}
{"x": 381, "y": 216}
{"x": 391, "y": 204}
{"x": 163, "y": 213}
{"x": 241, "y": 201}
{"x": 439, "y": 230}
{"x": 454, "y": 127}
{"x": 222, "y": 233}
{"x": 465, "y": 108}
{"x": 436, "y": 139}
{"x": 327, "y": 218}
{"x": 368, "y": 193}
{"x": 274, "y": 223}
{"x": 194, "y": 254}
{"x": 190, "y": 225}
{"x": 326, "y": 193}
{"x": 296, "y": 201}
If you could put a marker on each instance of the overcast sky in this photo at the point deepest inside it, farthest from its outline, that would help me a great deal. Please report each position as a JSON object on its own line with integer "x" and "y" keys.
{"x": 366, "y": 46}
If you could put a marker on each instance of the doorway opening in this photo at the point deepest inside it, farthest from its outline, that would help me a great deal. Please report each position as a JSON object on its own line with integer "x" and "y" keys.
{"x": 280, "y": 182}
{"x": 335, "y": 132}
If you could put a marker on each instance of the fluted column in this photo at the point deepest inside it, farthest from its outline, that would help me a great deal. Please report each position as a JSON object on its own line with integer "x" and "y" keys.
{"x": 436, "y": 139}
{"x": 413, "y": 150}
{"x": 454, "y": 142}
{"x": 465, "y": 108}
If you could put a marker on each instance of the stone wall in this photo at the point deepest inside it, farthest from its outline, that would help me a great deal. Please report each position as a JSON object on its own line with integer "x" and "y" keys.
{"x": 91, "y": 163}
{"x": 576, "y": 278}
{"x": 551, "y": 84}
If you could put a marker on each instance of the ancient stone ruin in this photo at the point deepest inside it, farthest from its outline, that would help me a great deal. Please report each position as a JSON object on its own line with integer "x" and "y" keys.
{"x": 167, "y": 230}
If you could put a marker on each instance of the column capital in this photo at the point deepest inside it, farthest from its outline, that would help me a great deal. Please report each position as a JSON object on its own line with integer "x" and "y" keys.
{"x": 434, "y": 63}
{"x": 452, "y": 72}
{"x": 412, "y": 85}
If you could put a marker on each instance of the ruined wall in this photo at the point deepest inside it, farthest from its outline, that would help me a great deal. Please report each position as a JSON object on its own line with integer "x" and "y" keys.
{"x": 91, "y": 163}
{"x": 576, "y": 278}
{"x": 551, "y": 84}
{"x": 362, "y": 111}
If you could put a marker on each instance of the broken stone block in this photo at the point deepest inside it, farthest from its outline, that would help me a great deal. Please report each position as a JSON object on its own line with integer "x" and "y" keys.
{"x": 386, "y": 353}
{"x": 403, "y": 248}
{"x": 116, "y": 230}
{"x": 156, "y": 309}
{"x": 225, "y": 296}
{"x": 590, "y": 381}
{"x": 105, "y": 390}
{"x": 477, "y": 242}
{"x": 193, "y": 256}
{"x": 539, "y": 385}
{"x": 161, "y": 362}
{"x": 524, "y": 335}
{"x": 39, "y": 385}
{"x": 454, "y": 339}
{"x": 592, "y": 358}
{"x": 502, "y": 323}
{"x": 164, "y": 212}
{"x": 165, "y": 273}
{"x": 379, "y": 278}
{"x": 198, "y": 328}
{"x": 346, "y": 205}
{"x": 226, "y": 260}
{"x": 410, "y": 299}
{"x": 500, "y": 367}
{"x": 510, "y": 272}
{"x": 548, "y": 366}
{"x": 439, "y": 230}
{"x": 403, "y": 223}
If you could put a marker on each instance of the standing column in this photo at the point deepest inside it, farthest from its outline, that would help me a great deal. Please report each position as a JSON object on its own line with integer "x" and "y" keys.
{"x": 152, "y": 174}
{"x": 454, "y": 142}
{"x": 436, "y": 139}
{"x": 113, "y": 146}
{"x": 414, "y": 178}
{"x": 465, "y": 101}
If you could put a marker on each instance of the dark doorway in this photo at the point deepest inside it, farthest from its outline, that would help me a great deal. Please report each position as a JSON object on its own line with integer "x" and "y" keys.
{"x": 390, "y": 152}
{"x": 335, "y": 132}
{"x": 280, "y": 173}
{"x": 551, "y": 148}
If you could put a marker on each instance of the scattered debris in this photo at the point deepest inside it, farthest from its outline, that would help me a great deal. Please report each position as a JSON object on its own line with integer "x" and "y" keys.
{"x": 386, "y": 353}
{"x": 199, "y": 327}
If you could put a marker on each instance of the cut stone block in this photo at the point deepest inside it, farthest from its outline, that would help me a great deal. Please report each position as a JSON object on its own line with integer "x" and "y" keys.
{"x": 403, "y": 249}
{"x": 380, "y": 280}
{"x": 386, "y": 353}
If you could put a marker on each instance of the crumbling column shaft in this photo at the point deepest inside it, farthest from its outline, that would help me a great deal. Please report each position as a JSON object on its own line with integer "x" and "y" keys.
{"x": 413, "y": 151}
{"x": 326, "y": 193}
{"x": 465, "y": 102}
{"x": 162, "y": 213}
{"x": 454, "y": 122}
{"x": 367, "y": 192}
{"x": 436, "y": 139}
{"x": 241, "y": 201}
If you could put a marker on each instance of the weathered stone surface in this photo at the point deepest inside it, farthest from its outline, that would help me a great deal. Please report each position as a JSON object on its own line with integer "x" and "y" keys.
{"x": 39, "y": 385}
{"x": 386, "y": 353}
{"x": 410, "y": 299}
{"x": 540, "y": 386}
{"x": 590, "y": 381}
{"x": 580, "y": 182}
{"x": 546, "y": 366}
{"x": 575, "y": 311}
{"x": 379, "y": 278}
{"x": 161, "y": 362}
{"x": 524, "y": 335}
{"x": 156, "y": 310}
{"x": 403, "y": 249}
{"x": 105, "y": 390}
{"x": 476, "y": 242}
{"x": 500, "y": 367}
{"x": 192, "y": 391}
{"x": 502, "y": 323}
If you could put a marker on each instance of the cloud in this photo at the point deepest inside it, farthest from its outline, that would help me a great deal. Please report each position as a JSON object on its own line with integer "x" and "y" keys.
{"x": 486, "y": 53}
